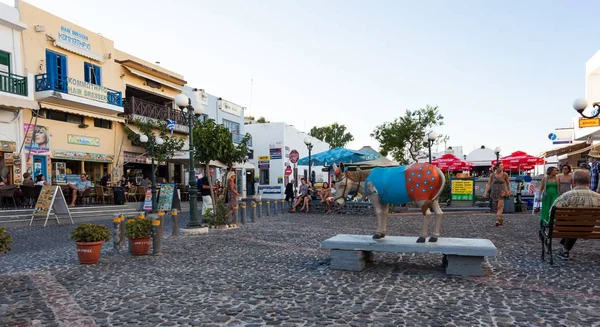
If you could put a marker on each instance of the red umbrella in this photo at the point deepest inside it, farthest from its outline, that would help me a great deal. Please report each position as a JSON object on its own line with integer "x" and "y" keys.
{"x": 520, "y": 158}
{"x": 449, "y": 162}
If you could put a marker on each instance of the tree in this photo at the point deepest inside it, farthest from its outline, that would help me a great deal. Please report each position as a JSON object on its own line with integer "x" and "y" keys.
{"x": 262, "y": 120}
{"x": 215, "y": 142}
{"x": 162, "y": 152}
{"x": 334, "y": 134}
{"x": 405, "y": 136}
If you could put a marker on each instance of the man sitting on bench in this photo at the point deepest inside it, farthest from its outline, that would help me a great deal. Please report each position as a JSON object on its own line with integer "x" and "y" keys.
{"x": 78, "y": 188}
{"x": 580, "y": 196}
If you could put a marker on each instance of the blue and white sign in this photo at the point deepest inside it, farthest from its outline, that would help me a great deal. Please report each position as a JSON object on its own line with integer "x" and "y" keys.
{"x": 267, "y": 189}
{"x": 75, "y": 38}
{"x": 552, "y": 136}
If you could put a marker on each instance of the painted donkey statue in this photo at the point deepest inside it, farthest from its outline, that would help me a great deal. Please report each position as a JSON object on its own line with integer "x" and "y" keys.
{"x": 420, "y": 182}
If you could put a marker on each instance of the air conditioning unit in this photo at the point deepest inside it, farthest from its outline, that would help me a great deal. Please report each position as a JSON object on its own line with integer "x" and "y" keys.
{"x": 40, "y": 28}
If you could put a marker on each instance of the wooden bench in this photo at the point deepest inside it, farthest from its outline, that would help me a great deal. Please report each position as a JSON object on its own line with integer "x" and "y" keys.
{"x": 460, "y": 256}
{"x": 566, "y": 222}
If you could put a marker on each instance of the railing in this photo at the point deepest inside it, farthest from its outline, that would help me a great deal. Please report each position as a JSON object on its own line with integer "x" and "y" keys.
{"x": 12, "y": 83}
{"x": 47, "y": 82}
{"x": 137, "y": 106}
{"x": 237, "y": 139}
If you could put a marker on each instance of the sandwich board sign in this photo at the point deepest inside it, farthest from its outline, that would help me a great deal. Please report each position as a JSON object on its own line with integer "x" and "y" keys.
{"x": 148, "y": 200}
{"x": 51, "y": 200}
{"x": 168, "y": 198}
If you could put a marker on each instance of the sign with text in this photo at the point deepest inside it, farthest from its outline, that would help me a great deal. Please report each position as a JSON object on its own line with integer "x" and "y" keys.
{"x": 83, "y": 140}
{"x": 87, "y": 90}
{"x": 275, "y": 153}
{"x": 75, "y": 38}
{"x": 165, "y": 198}
{"x": 51, "y": 199}
{"x": 288, "y": 171}
{"x": 148, "y": 200}
{"x": 263, "y": 158}
{"x": 462, "y": 189}
{"x": 231, "y": 108}
{"x": 589, "y": 122}
{"x": 267, "y": 189}
{"x": 83, "y": 156}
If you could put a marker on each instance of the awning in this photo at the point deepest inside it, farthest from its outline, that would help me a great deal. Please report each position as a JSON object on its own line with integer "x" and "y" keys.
{"x": 245, "y": 165}
{"x": 69, "y": 47}
{"x": 81, "y": 112}
{"x": 17, "y": 103}
{"x": 587, "y": 148}
{"x": 154, "y": 78}
{"x": 568, "y": 150}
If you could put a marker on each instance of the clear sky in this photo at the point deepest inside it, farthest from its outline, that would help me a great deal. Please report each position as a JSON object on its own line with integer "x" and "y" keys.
{"x": 502, "y": 72}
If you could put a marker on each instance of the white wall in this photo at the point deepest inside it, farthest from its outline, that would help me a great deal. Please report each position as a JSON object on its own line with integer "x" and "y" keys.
{"x": 10, "y": 36}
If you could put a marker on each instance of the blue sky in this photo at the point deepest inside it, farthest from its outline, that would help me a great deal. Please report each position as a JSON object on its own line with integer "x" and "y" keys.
{"x": 502, "y": 72}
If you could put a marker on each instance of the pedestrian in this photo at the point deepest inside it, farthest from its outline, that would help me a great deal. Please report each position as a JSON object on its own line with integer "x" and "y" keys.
{"x": 500, "y": 189}
{"x": 594, "y": 167}
{"x": 289, "y": 192}
{"x": 579, "y": 196}
{"x": 205, "y": 191}
{"x": 548, "y": 192}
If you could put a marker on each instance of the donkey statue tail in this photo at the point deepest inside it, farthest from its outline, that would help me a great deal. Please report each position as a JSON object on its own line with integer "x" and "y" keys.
{"x": 428, "y": 203}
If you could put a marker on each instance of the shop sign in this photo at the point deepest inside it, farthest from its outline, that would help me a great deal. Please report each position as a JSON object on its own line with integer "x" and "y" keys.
{"x": 82, "y": 156}
{"x": 87, "y": 90}
{"x": 589, "y": 122}
{"x": 17, "y": 169}
{"x": 462, "y": 189}
{"x": 267, "y": 189}
{"x": 37, "y": 138}
{"x": 133, "y": 157}
{"x": 75, "y": 38}
{"x": 177, "y": 127}
{"x": 263, "y": 158}
{"x": 83, "y": 140}
{"x": 231, "y": 108}
{"x": 275, "y": 153}
{"x": 8, "y": 146}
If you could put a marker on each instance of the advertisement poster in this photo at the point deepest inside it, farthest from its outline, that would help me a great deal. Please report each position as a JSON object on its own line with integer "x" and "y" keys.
{"x": 83, "y": 140}
{"x": 17, "y": 170}
{"x": 148, "y": 200}
{"x": 165, "y": 199}
{"x": 37, "y": 138}
{"x": 44, "y": 202}
{"x": 275, "y": 153}
{"x": 61, "y": 172}
{"x": 462, "y": 189}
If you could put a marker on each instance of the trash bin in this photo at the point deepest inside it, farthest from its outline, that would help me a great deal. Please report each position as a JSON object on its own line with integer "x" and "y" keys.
{"x": 509, "y": 205}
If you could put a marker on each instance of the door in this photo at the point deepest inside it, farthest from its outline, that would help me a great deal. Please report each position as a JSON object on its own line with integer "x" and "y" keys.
{"x": 250, "y": 182}
{"x": 56, "y": 70}
{"x": 40, "y": 167}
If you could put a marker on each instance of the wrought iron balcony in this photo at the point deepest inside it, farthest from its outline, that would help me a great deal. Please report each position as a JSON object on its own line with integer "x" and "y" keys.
{"x": 137, "y": 106}
{"x": 63, "y": 84}
{"x": 237, "y": 139}
{"x": 12, "y": 83}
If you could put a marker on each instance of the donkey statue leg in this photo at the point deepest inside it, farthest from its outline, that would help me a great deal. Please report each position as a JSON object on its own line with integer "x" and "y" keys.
{"x": 439, "y": 218}
{"x": 426, "y": 221}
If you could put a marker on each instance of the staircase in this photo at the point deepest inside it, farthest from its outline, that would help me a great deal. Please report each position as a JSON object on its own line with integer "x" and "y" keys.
{"x": 21, "y": 217}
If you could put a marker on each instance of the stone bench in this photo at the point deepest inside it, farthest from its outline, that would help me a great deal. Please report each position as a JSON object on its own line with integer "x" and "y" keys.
{"x": 461, "y": 256}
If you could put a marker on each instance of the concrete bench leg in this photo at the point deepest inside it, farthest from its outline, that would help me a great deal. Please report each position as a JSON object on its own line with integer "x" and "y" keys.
{"x": 464, "y": 265}
{"x": 348, "y": 260}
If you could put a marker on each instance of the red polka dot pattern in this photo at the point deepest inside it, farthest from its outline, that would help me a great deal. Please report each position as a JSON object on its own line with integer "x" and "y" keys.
{"x": 423, "y": 181}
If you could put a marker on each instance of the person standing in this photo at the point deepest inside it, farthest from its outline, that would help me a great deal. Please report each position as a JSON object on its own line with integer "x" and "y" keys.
{"x": 205, "y": 191}
{"x": 548, "y": 192}
{"x": 579, "y": 196}
{"x": 289, "y": 192}
{"x": 566, "y": 180}
{"x": 232, "y": 195}
{"x": 500, "y": 189}
{"x": 594, "y": 169}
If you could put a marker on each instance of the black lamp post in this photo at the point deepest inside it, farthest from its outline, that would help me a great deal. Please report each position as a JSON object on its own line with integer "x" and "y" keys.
{"x": 185, "y": 105}
{"x": 157, "y": 141}
{"x": 497, "y": 152}
{"x": 430, "y": 139}
{"x": 580, "y": 104}
{"x": 309, "y": 146}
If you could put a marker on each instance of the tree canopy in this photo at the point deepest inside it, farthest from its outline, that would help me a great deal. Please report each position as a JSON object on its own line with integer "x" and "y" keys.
{"x": 404, "y": 138}
{"x": 334, "y": 134}
{"x": 162, "y": 152}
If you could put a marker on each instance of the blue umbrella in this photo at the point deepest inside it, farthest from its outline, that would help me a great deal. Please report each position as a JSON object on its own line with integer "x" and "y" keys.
{"x": 337, "y": 155}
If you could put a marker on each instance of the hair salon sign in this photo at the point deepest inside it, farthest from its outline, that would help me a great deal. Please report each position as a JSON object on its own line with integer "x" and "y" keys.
{"x": 83, "y": 140}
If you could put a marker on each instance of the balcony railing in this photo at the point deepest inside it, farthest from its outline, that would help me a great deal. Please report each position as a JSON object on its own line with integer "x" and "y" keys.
{"x": 47, "y": 82}
{"x": 12, "y": 83}
{"x": 237, "y": 139}
{"x": 137, "y": 106}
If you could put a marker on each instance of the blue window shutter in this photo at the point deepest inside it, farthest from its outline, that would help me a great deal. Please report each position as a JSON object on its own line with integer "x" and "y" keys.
{"x": 86, "y": 72}
{"x": 63, "y": 64}
{"x": 98, "y": 71}
{"x": 50, "y": 63}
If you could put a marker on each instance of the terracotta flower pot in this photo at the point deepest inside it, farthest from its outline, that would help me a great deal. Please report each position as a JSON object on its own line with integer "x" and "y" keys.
{"x": 88, "y": 252}
{"x": 140, "y": 246}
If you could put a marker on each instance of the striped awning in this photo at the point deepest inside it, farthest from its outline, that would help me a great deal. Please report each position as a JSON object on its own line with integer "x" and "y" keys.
{"x": 81, "y": 112}
{"x": 88, "y": 54}
{"x": 154, "y": 78}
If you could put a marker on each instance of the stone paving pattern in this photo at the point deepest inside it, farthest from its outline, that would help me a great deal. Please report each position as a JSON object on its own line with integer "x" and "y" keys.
{"x": 272, "y": 272}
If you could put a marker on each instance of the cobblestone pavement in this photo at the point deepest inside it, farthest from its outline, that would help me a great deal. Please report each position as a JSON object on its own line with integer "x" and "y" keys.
{"x": 272, "y": 272}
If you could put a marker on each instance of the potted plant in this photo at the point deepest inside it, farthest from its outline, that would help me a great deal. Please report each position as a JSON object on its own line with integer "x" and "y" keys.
{"x": 5, "y": 240}
{"x": 89, "y": 239}
{"x": 139, "y": 231}
{"x": 218, "y": 217}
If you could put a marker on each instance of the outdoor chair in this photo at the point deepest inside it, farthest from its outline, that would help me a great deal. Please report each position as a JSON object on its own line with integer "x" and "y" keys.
{"x": 28, "y": 194}
{"x": 101, "y": 194}
{"x": 8, "y": 192}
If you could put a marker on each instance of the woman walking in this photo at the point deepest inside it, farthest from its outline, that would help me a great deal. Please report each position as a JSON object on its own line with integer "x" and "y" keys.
{"x": 549, "y": 192}
{"x": 500, "y": 189}
{"x": 565, "y": 182}
{"x": 232, "y": 195}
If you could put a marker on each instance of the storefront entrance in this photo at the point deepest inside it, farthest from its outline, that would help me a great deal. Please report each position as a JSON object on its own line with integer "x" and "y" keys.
{"x": 40, "y": 166}
{"x": 250, "y": 182}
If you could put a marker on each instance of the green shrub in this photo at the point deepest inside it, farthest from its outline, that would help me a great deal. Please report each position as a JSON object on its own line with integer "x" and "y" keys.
{"x": 90, "y": 233}
{"x": 138, "y": 228}
{"x": 5, "y": 240}
{"x": 219, "y": 215}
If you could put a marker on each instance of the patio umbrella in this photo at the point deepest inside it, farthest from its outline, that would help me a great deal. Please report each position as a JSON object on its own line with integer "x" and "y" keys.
{"x": 519, "y": 160}
{"x": 450, "y": 162}
{"x": 337, "y": 155}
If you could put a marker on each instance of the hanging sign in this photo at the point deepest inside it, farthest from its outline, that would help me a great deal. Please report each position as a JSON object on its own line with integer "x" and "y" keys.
{"x": 51, "y": 200}
{"x": 589, "y": 122}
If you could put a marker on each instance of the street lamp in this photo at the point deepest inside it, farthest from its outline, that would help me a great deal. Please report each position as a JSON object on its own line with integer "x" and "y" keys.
{"x": 497, "y": 152}
{"x": 430, "y": 139}
{"x": 580, "y": 104}
{"x": 158, "y": 141}
{"x": 309, "y": 146}
{"x": 185, "y": 105}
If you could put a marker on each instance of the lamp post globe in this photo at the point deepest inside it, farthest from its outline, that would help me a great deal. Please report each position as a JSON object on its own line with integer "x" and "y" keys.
{"x": 431, "y": 137}
{"x": 143, "y": 138}
{"x": 497, "y": 152}
{"x": 307, "y": 141}
{"x": 580, "y": 104}
{"x": 181, "y": 100}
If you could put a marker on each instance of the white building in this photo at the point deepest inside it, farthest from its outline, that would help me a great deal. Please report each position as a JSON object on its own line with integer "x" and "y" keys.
{"x": 16, "y": 92}
{"x": 272, "y": 143}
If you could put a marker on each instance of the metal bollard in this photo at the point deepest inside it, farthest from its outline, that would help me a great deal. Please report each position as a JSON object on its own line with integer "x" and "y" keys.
{"x": 174, "y": 214}
{"x": 235, "y": 215}
{"x": 260, "y": 209}
{"x": 275, "y": 208}
{"x": 156, "y": 236}
{"x": 243, "y": 213}
{"x": 269, "y": 208}
{"x": 122, "y": 231}
{"x": 161, "y": 217}
{"x": 117, "y": 232}
{"x": 282, "y": 207}
{"x": 141, "y": 215}
{"x": 253, "y": 215}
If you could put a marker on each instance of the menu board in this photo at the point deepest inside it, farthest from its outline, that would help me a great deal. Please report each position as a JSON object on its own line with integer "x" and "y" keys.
{"x": 165, "y": 198}
{"x": 51, "y": 199}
